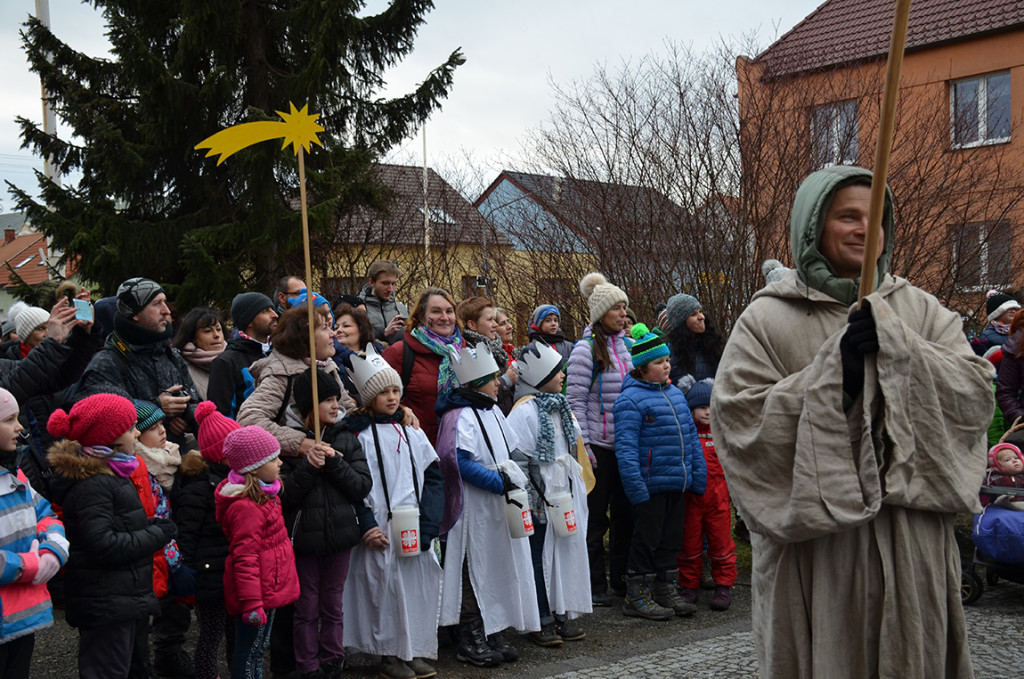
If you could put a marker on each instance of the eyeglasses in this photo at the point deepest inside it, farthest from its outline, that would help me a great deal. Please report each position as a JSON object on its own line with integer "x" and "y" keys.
{"x": 293, "y": 293}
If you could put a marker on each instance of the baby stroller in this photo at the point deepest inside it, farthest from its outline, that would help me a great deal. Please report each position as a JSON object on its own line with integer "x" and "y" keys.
{"x": 998, "y": 537}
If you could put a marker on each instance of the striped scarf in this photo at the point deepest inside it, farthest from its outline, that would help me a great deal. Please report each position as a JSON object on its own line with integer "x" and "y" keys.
{"x": 548, "y": 404}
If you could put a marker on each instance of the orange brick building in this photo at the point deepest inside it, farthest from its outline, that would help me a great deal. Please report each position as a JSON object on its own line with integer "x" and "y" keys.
{"x": 957, "y": 170}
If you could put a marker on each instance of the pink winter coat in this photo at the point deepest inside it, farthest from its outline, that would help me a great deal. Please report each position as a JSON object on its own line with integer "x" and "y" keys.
{"x": 260, "y": 568}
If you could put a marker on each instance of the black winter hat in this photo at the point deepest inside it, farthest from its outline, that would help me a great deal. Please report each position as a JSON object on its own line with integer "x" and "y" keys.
{"x": 246, "y": 306}
{"x": 326, "y": 387}
{"x": 998, "y": 303}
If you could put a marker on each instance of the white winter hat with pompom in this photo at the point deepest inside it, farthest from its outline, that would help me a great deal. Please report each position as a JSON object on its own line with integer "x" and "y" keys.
{"x": 600, "y": 295}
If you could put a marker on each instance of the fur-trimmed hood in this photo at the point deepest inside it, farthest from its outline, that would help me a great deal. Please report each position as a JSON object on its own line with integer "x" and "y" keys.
{"x": 67, "y": 460}
{"x": 193, "y": 464}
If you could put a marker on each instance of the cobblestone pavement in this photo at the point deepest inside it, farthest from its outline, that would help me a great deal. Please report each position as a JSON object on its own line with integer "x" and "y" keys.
{"x": 995, "y": 627}
{"x": 709, "y": 644}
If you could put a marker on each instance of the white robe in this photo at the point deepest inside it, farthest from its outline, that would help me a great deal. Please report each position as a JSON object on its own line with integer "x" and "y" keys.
{"x": 566, "y": 565}
{"x": 391, "y": 602}
{"x": 500, "y": 567}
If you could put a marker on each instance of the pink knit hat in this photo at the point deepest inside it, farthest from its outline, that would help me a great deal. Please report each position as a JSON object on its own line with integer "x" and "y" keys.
{"x": 8, "y": 404}
{"x": 97, "y": 420}
{"x": 213, "y": 427}
{"x": 249, "y": 448}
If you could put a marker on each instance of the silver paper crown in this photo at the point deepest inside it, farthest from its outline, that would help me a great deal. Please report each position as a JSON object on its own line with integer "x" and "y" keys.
{"x": 365, "y": 368}
{"x": 472, "y": 364}
{"x": 538, "y": 363}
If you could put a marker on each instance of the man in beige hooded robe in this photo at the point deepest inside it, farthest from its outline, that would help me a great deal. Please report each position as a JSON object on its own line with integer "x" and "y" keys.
{"x": 850, "y": 486}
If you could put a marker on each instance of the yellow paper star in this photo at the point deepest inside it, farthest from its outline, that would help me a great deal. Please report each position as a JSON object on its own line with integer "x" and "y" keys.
{"x": 298, "y": 128}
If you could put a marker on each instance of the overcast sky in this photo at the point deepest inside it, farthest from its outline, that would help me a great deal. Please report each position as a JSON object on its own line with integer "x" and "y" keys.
{"x": 513, "y": 50}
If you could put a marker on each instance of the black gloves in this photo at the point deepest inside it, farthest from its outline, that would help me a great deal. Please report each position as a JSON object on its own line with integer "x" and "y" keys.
{"x": 506, "y": 482}
{"x": 859, "y": 340}
{"x": 168, "y": 527}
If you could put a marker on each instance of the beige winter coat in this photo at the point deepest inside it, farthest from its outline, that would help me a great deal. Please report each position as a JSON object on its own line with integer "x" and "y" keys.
{"x": 263, "y": 405}
{"x": 856, "y": 571}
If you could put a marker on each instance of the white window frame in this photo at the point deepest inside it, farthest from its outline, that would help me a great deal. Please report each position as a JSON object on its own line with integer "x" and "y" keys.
{"x": 834, "y": 134}
{"x": 982, "y": 112}
{"x": 983, "y": 231}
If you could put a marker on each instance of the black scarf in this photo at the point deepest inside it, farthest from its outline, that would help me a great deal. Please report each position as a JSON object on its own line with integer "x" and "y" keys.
{"x": 548, "y": 338}
{"x": 133, "y": 333}
{"x": 360, "y": 420}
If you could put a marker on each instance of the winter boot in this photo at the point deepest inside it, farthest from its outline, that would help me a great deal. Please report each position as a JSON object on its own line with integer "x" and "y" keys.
{"x": 422, "y": 669}
{"x": 547, "y": 636}
{"x": 393, "y": 668}
{"x": 721, "y": 600}
{"x": 666, "y": 594}
{"x": 639, "y": 601}
{"x": 706, "y": 581}
{"x": 568, "y": 631}
{"x": 688, "y": 595}
{"x": 473, "y": 646}
{"x": 499, "y": 642}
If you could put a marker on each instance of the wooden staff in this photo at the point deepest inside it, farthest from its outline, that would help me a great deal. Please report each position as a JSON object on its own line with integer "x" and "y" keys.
{"x": 883, "y": 149}
{"x": 310, "y": 311}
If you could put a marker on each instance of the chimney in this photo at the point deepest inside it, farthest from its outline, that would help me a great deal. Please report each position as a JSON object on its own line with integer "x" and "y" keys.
{"x": 8, "y": 236}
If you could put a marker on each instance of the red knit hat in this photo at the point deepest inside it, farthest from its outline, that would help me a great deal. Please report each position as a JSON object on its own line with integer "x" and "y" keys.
{"x": 213, "y": 427}
{"x": 249, "y": 448}
{"x": 97, "y": 420}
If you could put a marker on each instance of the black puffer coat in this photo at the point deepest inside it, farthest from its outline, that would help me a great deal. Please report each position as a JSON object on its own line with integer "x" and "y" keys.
{"x": 109, "y": 576}
{"x": 320, "y": 504}
{"x": 202, "y": 542}
{"x": 43, "y": 370}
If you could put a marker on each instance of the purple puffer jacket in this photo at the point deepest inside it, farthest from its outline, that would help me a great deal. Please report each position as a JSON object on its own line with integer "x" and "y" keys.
{"x": 592, "y": 396}
{"x": 1011, "y": 381}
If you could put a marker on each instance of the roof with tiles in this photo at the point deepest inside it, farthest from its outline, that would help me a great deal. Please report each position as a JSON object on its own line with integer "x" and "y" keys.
{"x": 583, "y": 205}
{"x": 846, "y": 31}
{"x": 21, "y": 253}
{"x": 453, "y": 219}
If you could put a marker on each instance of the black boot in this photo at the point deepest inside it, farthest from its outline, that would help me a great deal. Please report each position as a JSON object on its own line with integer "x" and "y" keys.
{"x": 499, "y": 642}
{"x": 473, "y": 646}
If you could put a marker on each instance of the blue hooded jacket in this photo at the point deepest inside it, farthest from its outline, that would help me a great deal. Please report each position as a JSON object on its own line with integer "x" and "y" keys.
{"x": 656, "y": 441}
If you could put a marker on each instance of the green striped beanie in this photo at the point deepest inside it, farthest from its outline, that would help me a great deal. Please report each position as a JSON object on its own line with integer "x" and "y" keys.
{"x": 648, "y": 346}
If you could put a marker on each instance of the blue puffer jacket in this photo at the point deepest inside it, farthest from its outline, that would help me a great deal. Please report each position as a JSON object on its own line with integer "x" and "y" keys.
{"x": 656, "y": 442}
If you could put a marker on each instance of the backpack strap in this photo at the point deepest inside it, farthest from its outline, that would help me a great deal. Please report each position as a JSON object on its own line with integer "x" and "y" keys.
{"x": 408, "y": 360}
{"x": 284, "y": 401}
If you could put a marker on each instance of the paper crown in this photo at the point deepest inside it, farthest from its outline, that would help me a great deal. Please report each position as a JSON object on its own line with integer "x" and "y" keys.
{"x": 472, "y": 364}
{"x": 363, "y": 369}
{"x": 538, "y": 363}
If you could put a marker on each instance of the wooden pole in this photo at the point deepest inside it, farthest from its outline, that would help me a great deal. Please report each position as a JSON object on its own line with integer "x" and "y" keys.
{"x": 309, "y": 294}
{"x": 886, "y": 123}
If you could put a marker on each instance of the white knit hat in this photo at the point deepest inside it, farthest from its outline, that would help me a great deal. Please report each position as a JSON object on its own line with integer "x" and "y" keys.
{"x": 28, "y": 320}
{"x": 600, "y": 295}
{"x": 372, "y": 375}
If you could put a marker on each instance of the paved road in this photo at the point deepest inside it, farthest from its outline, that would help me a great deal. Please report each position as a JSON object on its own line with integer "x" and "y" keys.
{"x": 709, "y": 644}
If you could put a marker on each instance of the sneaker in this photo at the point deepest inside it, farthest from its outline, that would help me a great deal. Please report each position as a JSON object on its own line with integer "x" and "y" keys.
{"x": 421, "y": 668}
{"x": 721, "y": 600}
{"x": 547, "y": 636}
{"x": 500, "y": 643}
{"x": 473, "y": 647}
{"x": 393, "y": 668}
{"x": 569, "y": 632}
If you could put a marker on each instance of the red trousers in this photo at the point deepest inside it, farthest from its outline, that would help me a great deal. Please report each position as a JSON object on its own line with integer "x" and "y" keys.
{"x": 709, "y": 515}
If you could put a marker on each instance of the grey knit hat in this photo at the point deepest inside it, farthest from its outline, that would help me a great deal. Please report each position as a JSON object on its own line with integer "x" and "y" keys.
{"x": 680, "y": 307}
{"x": 600, "y": 295}
{"x": 134, "y": 294}
{"x": 246, "y": 306}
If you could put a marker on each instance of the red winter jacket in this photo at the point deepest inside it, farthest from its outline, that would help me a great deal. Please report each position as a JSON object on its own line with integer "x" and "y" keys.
{"x": 421, "y": 394}
{"x": 260, "y": 568}
{"x": 140, "y": 479}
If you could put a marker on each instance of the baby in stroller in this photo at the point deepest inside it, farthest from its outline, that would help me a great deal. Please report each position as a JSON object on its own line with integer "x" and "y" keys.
{"x": 1005, "y": 470}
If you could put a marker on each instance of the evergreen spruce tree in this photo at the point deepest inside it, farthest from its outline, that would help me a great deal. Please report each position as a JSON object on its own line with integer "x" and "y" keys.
{"x": 148, "y": 204}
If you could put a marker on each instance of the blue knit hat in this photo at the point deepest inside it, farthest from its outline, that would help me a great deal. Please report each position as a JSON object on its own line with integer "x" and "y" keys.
{"x": 149, "y": 414}
{"x": 699, "y": 395}
{"x": 648, "y": 346}
{"x": 540, "y": 313}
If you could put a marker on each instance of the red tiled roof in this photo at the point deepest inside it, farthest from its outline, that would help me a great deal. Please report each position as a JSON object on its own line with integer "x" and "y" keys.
{"x": 453, "y": 218}
{"x": 22, "y": 255}
{"x": 845, "y": 31}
